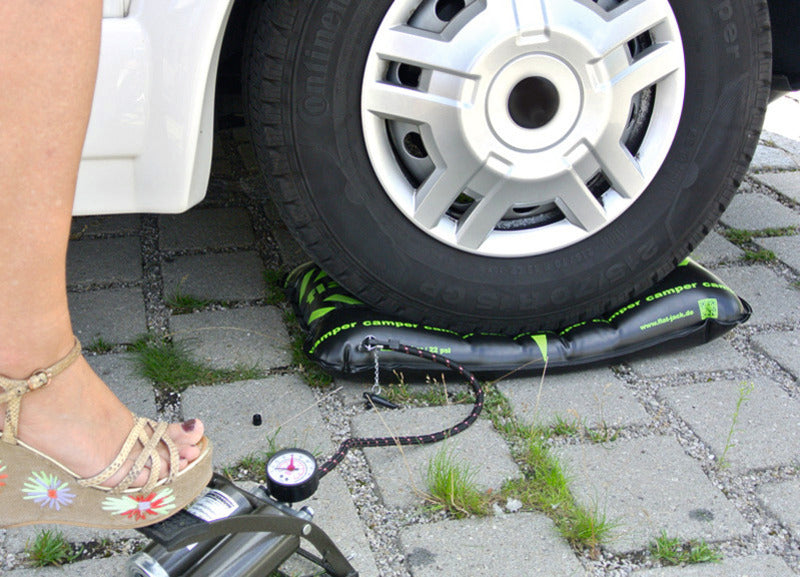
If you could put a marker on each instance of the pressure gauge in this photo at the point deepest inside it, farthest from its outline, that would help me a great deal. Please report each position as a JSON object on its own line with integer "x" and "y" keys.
{"x": 292, "y": 475}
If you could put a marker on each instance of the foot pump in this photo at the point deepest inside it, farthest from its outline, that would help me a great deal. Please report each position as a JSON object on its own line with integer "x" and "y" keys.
{"x": 229, "y": 532}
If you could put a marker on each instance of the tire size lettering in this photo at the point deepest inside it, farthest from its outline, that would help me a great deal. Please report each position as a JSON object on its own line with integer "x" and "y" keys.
{"x": 730, "y": 32}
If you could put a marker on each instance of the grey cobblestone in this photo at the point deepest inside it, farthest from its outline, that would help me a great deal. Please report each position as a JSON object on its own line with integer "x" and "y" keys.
{"x": 782, "y": 347}
{"x": 766, "y": 566}
{"x": 93, "y": 568}
{"x": 646, "y": 486}
{"x": 781, "y": 500}
{"x": 765, "y": 435}
{"x": 784, "y": 183}
{"x": 207, "y": 228}
{"x": 718, "y": 355}
{"x": 716, "y": 249}
{"x": 521, "y": 544}
{"x": 774, "y": 300}
{"x": 787, "y": 249}
{"x": 112, "y": 315}
{"x": 116, "y": 224}
{"x": 757, "y": 212}
{"x": 290, "y": 417}
{"x": 593, "y": 398}
{"x": 769, "y": 158}
{"x": 120, "y": 374}
{"x": 253, "y": 336}
{"x": 219, "y": 277}
{"x": 108, "y": 260}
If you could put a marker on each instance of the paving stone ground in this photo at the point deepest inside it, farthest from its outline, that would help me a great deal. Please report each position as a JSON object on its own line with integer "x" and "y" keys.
{"x": 670, "y": 416}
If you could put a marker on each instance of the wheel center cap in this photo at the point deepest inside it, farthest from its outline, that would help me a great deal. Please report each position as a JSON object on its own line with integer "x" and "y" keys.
{"x": 534, "y": 102}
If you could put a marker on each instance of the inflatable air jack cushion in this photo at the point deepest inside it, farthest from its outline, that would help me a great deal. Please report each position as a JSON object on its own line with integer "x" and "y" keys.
{"x": 690, "y": 306}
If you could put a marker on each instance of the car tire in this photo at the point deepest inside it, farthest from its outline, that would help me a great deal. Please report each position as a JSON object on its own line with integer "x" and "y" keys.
{"x": 345, "y": 97}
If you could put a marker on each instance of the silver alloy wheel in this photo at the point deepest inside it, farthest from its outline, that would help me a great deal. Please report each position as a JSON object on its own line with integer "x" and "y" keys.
{"x": 510, "y": 128}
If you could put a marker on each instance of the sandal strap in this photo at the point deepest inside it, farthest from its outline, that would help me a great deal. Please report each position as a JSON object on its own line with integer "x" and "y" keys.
{"x": 14, "y": 389}
{"x": 148, "y": 456}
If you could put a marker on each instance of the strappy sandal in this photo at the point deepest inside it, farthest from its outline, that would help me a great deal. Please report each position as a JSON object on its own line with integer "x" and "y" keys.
{"x": 37, "y": 489}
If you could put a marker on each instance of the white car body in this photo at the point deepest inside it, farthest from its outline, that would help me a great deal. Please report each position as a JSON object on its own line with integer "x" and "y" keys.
{"x": 148, "y": 146}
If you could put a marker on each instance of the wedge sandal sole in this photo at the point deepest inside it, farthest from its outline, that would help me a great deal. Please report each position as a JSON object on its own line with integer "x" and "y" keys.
{"x": 34, "y": 489}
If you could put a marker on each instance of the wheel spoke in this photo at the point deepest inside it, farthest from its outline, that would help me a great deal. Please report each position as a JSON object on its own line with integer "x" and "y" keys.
{"x": 578, "y": 203}
{"x": 629, "y": 20}
{"x": 492, "y": 191}
{"x": 531, "y": 19}
{"x": 454, "y": 174}
{"x": 426, "y": 50}
{"x": 393, "y": 102}
{"x": 437, "y": 194}
{"x": 619, "y": 166}
{"x": 655, "y": 64}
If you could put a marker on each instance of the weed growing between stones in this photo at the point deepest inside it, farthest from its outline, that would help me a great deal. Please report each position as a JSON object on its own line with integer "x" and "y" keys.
{"x": 745, "y": 390}
{"x": 577, "y": 428}
{"x": 765, "y": 256}
{"x": 567, "y": 427}
{"x": 434, "y": 393}
{"x": 99, "y": 346}
{"x": 670, "y": 551}
{"x": 50, "y": 548}
{"x": 181, "y": 302}
{"x": 741, "y": 237}
{"x": 451, "y": 486}
{"x": 172, "y": 367}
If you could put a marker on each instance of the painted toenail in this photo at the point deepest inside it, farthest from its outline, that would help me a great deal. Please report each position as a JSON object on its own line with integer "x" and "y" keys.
{"x": 189, "y": 425}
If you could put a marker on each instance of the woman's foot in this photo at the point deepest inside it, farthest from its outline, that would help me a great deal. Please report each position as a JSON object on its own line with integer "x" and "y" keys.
{"x": 77, "y": 421}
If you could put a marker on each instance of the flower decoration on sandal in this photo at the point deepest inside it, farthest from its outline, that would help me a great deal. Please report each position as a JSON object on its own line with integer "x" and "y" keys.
{"x": 140, "y": 507}
{"x": 48, "y": 491}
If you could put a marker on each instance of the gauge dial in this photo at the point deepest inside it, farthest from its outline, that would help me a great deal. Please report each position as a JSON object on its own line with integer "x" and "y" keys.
{"x": 292, "y": 475}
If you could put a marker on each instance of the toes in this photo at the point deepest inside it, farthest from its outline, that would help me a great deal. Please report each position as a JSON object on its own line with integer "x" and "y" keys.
{"x": 189, "y": 453}
{"x": 187, "y": 433}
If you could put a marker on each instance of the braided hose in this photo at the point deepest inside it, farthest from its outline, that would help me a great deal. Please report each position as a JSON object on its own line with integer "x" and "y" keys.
{"x": 370, "y": 343}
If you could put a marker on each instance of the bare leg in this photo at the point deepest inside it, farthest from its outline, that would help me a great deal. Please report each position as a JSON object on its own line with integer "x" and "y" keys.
{"x": 48, "y": 62}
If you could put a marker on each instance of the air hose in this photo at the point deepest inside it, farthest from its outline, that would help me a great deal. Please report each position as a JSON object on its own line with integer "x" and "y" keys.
{"x": 373, "y": 344}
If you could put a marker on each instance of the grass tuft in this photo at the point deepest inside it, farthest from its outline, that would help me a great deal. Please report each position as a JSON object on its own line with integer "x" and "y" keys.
{"x": 670, "y": 551}
{"x": 172, "y": 366}
{"x": 576, "y": 427}
{"x": 181, "y": 303}
{"x": 759, "y": 256}
{"x": 99, "y": 346}
{"x": 50, "y": 548}
{"x": 452, "y": 487}
{"x": 433, "y": 394}
{"x": 253, "y": 467}
{"x": 740, "y": 237}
